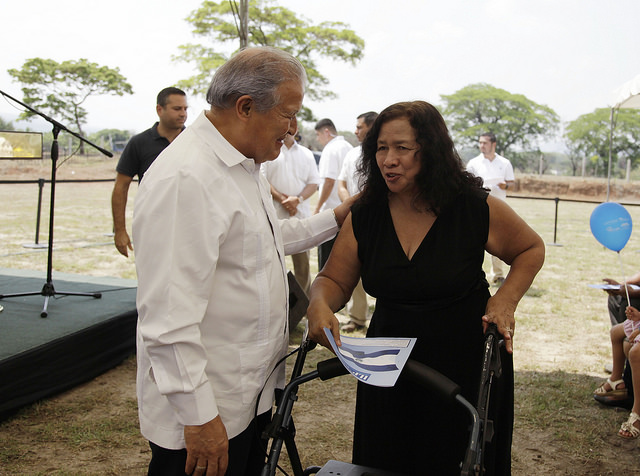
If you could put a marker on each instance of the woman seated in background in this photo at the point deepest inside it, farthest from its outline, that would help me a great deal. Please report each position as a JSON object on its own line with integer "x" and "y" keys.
{"x": 417, "y": 237}
{"x": 624, "y": 339}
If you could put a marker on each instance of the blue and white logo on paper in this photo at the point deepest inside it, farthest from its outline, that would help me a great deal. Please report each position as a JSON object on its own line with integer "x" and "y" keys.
{"x": 375, "y": 361}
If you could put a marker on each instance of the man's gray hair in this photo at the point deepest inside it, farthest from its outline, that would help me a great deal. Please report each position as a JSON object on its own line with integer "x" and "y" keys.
{"x": 256, "y": 72}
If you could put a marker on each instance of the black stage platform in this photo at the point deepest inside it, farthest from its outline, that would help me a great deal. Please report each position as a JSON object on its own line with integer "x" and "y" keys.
{"x": 81, "y": 338}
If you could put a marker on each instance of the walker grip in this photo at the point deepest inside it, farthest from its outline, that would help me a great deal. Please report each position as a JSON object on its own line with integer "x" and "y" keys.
{"x": 331, "y": 368}
{"x": 430, "y": 379}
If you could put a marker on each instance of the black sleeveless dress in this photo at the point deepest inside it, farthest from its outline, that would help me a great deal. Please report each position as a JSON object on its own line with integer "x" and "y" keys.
{"x": 439, "y": 296}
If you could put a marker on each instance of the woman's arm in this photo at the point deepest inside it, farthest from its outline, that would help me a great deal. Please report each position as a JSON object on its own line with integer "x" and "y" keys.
{"x": 621, "y": 291}
{"x": 514, "y": 242}
{"x": 333, "y": 286}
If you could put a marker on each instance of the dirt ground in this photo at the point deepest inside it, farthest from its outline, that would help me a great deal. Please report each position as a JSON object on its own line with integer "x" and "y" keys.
{"x": 534, "y": 453}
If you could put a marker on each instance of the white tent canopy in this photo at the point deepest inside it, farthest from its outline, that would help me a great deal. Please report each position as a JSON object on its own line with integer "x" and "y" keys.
{"x": 626, "y": 96}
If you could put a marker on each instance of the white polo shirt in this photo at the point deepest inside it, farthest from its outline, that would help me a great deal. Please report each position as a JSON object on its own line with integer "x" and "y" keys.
{"x": 330, "y": 166}
{"x": 492, "y": 172}
{"x": 349, "y": 172}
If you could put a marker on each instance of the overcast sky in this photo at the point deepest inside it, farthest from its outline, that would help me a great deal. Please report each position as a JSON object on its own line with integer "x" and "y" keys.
{"x": 567, "y": 54}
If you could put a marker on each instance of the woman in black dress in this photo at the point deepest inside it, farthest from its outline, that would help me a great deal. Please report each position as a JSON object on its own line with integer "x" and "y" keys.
{"x": 417, "y": 237}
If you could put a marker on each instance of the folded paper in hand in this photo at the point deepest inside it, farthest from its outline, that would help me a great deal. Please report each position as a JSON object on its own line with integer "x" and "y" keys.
{"x": 374, "y": 360}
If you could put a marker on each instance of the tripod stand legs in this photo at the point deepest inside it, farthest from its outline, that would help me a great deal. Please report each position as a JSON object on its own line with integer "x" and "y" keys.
{"x": 49, "y": 291}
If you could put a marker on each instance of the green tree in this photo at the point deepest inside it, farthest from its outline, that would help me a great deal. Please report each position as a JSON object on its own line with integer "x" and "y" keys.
{"x": 558, "y": 163}
{"x": 6, "y": 125}
{"x": 112, "y": 139}
{"x": 268, "y": 25}
{"x": 518, "y": 122}
{"x": 588, "y": 137}
{"x": 528, "y": 161}
{"x": 60, "y": 89}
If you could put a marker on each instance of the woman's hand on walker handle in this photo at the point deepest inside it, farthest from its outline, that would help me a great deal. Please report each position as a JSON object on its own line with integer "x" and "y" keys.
{"x": 502, "y": 315}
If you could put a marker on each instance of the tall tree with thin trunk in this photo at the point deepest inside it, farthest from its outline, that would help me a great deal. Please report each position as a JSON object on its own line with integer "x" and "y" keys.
{"x": 220, "y": 25}
{"x": 587, "y": 137}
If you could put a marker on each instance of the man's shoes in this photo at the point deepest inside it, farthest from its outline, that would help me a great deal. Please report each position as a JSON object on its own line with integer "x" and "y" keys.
{"x": 352, "y": 327}
{"x": 618, "y": 401}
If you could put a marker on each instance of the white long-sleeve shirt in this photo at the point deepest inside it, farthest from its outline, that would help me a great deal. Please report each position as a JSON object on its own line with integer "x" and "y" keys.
{"x": 212, "y": 288}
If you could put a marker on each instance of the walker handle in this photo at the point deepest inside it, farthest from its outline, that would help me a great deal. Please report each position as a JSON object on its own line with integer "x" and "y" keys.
{"x": 331, "y": 368}
{"x": 430, "y": 379}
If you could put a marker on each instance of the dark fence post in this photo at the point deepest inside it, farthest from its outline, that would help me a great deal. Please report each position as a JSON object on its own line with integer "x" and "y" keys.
{"x": 35, "y": 244}
{"x": 40, "y": 187}
{"x": 555, "y": 223}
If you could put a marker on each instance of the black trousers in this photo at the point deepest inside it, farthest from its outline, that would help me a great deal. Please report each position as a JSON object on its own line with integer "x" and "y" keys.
{"x": 324, "y": 250}
{"x": 247, "y": 453}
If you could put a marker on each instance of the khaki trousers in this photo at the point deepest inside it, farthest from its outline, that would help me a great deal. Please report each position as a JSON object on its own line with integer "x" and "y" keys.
{"x": 357, "y": 306}
{"x": 301, "y": 270}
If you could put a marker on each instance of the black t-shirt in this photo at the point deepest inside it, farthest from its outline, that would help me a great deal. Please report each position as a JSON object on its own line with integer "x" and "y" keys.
{"x": 141, "y": 151}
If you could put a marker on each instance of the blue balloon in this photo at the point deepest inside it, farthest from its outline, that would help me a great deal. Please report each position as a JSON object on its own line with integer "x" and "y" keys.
{"x": 611, "y": 225}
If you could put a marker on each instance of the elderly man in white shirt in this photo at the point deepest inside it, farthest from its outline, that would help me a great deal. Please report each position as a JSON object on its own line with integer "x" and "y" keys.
{"x": 212, "y": 288}
{"x": 497, "y": 175}
{"x": 293, "y": 178}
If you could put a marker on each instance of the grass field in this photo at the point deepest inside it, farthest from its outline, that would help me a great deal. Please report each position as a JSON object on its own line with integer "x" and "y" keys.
{"x": 561, "y": 345}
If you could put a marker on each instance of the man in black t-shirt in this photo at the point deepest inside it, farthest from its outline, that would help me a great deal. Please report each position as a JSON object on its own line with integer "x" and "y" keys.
{"x": 140, "y": 153}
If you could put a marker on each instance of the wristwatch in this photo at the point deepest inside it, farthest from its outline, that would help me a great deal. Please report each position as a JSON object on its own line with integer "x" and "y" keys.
{"x": 301, "y": 198}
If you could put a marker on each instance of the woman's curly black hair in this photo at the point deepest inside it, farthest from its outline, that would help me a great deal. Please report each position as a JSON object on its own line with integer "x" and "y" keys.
{"x": 442, "y": 173}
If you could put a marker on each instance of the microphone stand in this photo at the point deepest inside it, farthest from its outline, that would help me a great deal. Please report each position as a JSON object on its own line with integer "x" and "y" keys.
{"x": 48, "y": 289}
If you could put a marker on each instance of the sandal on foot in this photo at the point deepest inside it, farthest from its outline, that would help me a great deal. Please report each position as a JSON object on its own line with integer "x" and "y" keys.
{"x": 629, "y": 427}
{"x": 614, "y": 392}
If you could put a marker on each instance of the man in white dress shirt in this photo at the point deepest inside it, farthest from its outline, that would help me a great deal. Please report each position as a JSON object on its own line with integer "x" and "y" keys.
{"x": 334, "y": 149}
{"x": 293, "y": 178}
{"x": 212, "y": 288}
{"x": 497, "y": 175}
{"x": 349, "y": 184}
